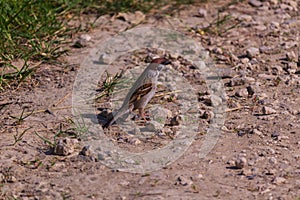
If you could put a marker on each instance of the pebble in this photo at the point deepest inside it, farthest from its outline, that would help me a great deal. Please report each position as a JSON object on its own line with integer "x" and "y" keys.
{"x": 64, "y": 146}
{"x": 276, "y": 70}
{"x": 273, "y": 2}
{"x": 260, "y": 27}
{"x": 202, "y": 12}
{"x": 245, "y": 60}
{"x": 82, "y": 41}
{"x": 240, "y": 162}
{"x": 86, "y": 151}
{"x": 257, "y": 132}
{"x": 237, "y": 82}
{"x": 11, "y": 179}
{"x": 252, "y": 52}
{"x": 266, "y": 49}
{"x": 278, "y": 180}
{"x": 273, "y": 160}
{"x": 267, "y": 76}
{"x": 153, "y": 126}
{"x": 267, "y": 110}
{"x": 242, "y": 92}
{"x": 244, "y": 17}
{"x": 177, "y": 120}
{"x": 275, "y": 134}
{"x": 159, "y": 114}
{"x": 184, "y": 181}
{"x": 291, "y": 56}
{"x": 247, "y": 172}
{"x": 218, "y": 50}
{"x": 251, "y": 90}
{"x": 255, "y": 3}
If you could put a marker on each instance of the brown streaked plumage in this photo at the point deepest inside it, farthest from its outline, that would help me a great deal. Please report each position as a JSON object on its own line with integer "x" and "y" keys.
{"x": 142, "y": 90}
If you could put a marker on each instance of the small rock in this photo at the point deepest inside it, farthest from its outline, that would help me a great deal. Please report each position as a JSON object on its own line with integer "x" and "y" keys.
{"x": 132, "y": 18}
{"x": 247, "y": 18}
{"x": 251, "y": 90}
{"x": 204, "y": 114}
{"x": 286, "y": 7}
{"x": 12, "y": 179}
{"x": 82, "y": 41}
{"x": 237, "y": 82}
{"x": 267, "y": 110}
{"x": 273, "y": 2}
{"x": 275, "y": 135}
{"x": 138, "y": 18}
{"x": 247, "y": 172}
{"x": 279, "y": 180}
{"x": 257, "y": 132}
{"x": 86, "y": 151}
{"x": 240, "y": 162}
{"x": 260, "y": 27}
{"x": 265, "y": 49}
{"x": 218, "y": 50}
{"x": 255, "y": 3}
{"x": 252, "y": 52}
{"x": 124, "y": 183}
{"x": 177, "y": 120}
{"x": 267, "y": 76}
{"x": 159, "y": 114}
{"x": 202, "y": 13}
{"x": 105, "y": 58}
{"x": 134, "y": 141}
{"x": 245, "y": 60}
{"x": 276, "y": 70}
{"x": 274, "y": 25}
{"x": 153, "y": 126}
{"x": 242, "y": 92}
{"x": 273, "y": 160}
{"x": 291, "y": 56}
{"x": 184, "y": 181}
{"x": 289, "y": 44}
{"x": 65, "y": 146}
{"x": 2, "y": 178}
{"x": 231, "y": 162}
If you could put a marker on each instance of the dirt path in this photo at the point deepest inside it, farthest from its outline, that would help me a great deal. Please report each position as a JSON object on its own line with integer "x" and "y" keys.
{"x": 255, "y": 46}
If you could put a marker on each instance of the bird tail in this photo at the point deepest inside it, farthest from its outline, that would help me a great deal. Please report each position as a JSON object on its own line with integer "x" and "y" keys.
{"x": 116, "y": 116}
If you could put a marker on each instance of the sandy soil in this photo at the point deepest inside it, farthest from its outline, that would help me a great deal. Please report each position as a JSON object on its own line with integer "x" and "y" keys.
{"x": 255, "y": 46}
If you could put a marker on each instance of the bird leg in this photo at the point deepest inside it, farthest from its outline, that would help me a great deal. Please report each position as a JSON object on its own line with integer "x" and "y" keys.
{"x": 142, "y": 114}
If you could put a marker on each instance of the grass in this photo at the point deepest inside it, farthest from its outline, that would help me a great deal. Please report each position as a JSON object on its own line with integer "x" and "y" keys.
{"x": 34, "y": 30}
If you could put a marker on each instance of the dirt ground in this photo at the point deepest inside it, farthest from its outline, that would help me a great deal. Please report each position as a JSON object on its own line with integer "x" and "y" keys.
{"x": 255, "y": 46}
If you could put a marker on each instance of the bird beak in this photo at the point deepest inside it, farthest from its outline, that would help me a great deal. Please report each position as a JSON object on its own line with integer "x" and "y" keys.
{"x": 167, "y": 62}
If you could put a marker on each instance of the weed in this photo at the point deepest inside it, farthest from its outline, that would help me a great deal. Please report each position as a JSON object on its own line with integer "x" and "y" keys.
{"x": 79, "y": 128}
{"x": 109, "y": 84}
{"x": 51, "y": 144}
{"x": 35, "y": 30}
{"x": 19, "y": 137}
{"x": 21, "y": 118}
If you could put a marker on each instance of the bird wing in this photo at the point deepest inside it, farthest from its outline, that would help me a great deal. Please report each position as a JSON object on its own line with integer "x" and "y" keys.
{"x": 140, "y": 92}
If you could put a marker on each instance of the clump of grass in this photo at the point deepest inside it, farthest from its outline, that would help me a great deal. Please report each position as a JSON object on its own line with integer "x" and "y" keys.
{"x": 23, "y": 115}
{"x": 33, "y": 30}
{"x": 109, "y": 84}
{"x": 19, "y": 137}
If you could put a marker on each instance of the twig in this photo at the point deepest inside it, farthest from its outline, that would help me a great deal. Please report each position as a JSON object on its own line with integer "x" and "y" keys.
{"x": 166, "y": 93}
{"x": 46, "y": 110}
{"x": 234, "y": 109}
{"x": 61, "y": 100}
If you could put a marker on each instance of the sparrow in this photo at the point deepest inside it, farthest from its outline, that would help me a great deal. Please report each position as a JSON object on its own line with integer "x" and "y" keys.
{"x": 142, "y": 91}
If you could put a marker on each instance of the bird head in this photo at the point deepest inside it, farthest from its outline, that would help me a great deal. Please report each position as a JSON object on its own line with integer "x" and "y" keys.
{"x": 160, "y": 63}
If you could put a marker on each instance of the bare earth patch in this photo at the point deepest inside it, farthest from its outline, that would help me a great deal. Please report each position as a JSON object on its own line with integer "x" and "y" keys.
{"x": 255, "y": 45}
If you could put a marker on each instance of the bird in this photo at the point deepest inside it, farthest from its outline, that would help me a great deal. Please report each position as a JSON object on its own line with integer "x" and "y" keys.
{"x": 141, "y": 91}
